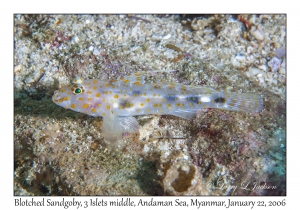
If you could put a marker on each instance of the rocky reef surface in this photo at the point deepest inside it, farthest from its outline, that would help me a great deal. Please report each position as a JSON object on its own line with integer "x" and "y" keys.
{"x": 61, "y": 152}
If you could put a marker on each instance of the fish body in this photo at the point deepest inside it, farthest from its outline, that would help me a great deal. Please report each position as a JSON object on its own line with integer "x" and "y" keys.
{"x": 119, "y": 100}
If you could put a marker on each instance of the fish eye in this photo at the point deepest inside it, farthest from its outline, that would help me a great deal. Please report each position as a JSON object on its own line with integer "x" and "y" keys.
{"x": 78, "y": 90}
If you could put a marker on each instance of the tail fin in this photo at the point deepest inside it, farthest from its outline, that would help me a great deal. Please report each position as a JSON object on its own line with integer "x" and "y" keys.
{"x": 243, "y": 102}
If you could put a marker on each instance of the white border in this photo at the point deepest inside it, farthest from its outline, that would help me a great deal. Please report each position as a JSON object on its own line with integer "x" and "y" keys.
{"x": 154, "y": 6}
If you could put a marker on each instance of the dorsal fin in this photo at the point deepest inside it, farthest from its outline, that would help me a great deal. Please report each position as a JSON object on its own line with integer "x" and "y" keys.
{"x": 139, "y": 77}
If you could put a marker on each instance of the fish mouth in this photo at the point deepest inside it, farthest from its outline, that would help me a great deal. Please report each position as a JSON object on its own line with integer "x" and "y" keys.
{"x": 55, "y": 96}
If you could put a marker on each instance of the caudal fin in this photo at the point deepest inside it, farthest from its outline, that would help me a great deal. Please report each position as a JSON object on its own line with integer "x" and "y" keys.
{"x": 243, "y": 102}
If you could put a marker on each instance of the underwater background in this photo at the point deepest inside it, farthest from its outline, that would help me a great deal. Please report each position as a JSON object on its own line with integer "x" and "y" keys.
{"x": 62, "y": 152}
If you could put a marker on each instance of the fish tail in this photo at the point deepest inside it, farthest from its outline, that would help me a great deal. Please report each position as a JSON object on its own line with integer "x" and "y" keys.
{"x": 245, "y": 102}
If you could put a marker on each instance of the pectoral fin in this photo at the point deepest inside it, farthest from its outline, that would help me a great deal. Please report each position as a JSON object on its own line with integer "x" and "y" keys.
{"x": 111, "y": 129}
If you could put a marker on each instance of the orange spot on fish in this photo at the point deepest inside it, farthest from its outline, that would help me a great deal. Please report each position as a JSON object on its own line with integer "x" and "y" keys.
{"x": 85, "y": 106}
